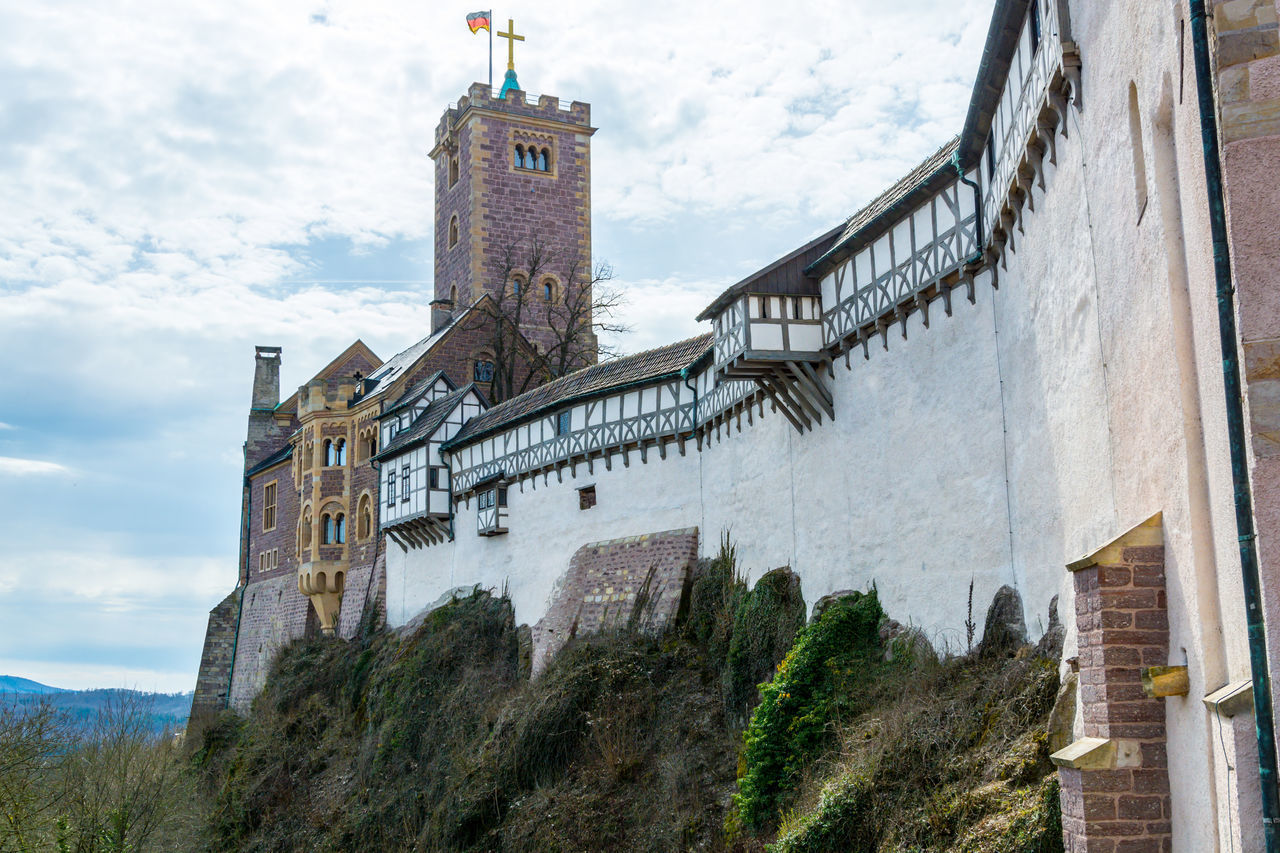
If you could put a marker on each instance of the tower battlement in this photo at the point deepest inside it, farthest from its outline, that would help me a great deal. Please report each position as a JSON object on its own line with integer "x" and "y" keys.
{"x": 481, "y": 97}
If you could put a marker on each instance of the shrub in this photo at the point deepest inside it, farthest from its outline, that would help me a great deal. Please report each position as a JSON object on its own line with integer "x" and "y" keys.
{"x": 814, "y": 685}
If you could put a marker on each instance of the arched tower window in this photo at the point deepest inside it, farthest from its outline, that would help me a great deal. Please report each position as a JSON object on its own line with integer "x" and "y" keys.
{"x": 517, "y": 284}
{"x": 548, "y": 290}
{"x": 453, "y": 171}
{"x": 340, "y": 452}
{"x": 519, "y": 156}
{"x": 453, "y": 295}
{"x": 340, "y": 529}
{"x": 544, "y": 160}
{"x": 328, "y": 452}
{"x": 453, "y": 231}
{"x": 528, "y": 158}
{"x": 326, "y": 529}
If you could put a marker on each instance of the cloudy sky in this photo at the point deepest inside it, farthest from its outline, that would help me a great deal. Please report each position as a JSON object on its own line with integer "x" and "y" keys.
{"x": 182, "y": 181}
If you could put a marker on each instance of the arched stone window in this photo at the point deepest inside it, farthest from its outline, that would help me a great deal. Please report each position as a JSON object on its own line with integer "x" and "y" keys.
{"x": 340, "y": 529}
{"x": 519, "y": 157}
{"x": 517, "y": 284}
{"x": 544, "y": 160}
{"x": 483, "y": 369}
{"x": 340, "y": 452}
{"x": 364, "y": 518}
{"x": 306, "y": 528}
{"x": 326, "y": 529}
{"x": 453, "y": 171}
{"x": 548, "y": 290}
{"x": 453, "y": 231}
{"x": 528, "y": 158}
{"x": 328, "y": 452}
{"x": 453, "y": 295}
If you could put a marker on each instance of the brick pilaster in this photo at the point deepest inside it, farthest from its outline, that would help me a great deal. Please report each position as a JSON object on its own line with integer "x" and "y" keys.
{"x": 1115, "y": 780}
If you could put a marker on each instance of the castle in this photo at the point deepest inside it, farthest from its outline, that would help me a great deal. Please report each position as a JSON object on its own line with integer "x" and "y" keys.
{"x": 1009, "y": 370}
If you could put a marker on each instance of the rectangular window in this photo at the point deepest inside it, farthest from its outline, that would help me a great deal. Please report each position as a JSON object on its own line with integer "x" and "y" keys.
{"x": 502, "y": 497}
{"x": 262, "y": 561}
{"x": 269, "y": 506}
{"x": 435, "y": 477}
{"x": 391, "y": 487}
{"x": 483, "y": 371}
{"x": 562, "y": 423}
{"x": 586, "y": 497}
{"x": 404, "y": 484}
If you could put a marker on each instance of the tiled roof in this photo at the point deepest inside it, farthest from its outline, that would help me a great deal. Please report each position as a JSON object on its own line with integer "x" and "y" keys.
{"x": 274, "y": 459}
{"x": 410, "y": 396}
{"x": 426, "y": 423}
{"x": 588, "y": 382}
{"x": 785, "y": 275}
{"x": 874, "y": 219}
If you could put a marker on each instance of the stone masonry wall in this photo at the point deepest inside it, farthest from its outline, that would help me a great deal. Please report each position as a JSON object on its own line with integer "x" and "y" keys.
{"x": 604, "y": 579}
{"x": 1115, "y": 799}
{"x": 1248, "y": 59}
{"x": 499, "y": 206}
{"x": 213, "y": 680}
{"x": 274, "y": 614}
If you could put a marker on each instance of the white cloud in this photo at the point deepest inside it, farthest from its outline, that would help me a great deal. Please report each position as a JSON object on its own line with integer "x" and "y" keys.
{"x": 15, "y": 467}
{"x": 169, "y": 189}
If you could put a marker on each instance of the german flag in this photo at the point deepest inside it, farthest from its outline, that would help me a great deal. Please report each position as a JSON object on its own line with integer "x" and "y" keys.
{"x": 478, "y": 21}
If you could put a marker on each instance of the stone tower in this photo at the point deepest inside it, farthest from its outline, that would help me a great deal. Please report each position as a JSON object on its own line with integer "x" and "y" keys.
{"x": 507, "y": 172}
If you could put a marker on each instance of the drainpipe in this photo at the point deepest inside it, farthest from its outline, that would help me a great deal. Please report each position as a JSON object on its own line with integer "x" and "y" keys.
{"x": 248, "y": 531}
{"x": 684, "y": 374}
{"x": 1258, "y": 664}
{"x": 977, "y": 205}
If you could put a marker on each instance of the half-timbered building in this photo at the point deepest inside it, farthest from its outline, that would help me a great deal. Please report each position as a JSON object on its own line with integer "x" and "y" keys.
{"x": 1005, "y": 372}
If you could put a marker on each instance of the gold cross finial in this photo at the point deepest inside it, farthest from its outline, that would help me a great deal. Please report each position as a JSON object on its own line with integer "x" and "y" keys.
{"x": 512, "y": 38}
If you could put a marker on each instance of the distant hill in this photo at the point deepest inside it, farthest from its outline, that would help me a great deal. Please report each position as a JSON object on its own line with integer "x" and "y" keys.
{"x": 165, "y": 711}
{"x": 25, "y": 686}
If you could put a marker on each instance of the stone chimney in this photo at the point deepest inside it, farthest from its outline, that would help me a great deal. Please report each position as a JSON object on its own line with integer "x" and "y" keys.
{"x": 264, "y": 435}
{"x": 441, "y": 314}
{"x": 266, "y": 377}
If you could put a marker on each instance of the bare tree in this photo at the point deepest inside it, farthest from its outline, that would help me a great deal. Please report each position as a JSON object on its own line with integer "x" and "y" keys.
{"x": 33, "y": 738}
{"x": 535, "y": 339}
{"x": 126, "y": 788}
{"x": 586, "y": 308}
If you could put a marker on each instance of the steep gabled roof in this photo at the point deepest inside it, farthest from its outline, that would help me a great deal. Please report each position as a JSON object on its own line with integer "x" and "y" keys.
{"x": 358, "y": 347}
{"x": 411, "y": 395}
{"x": 425, "y": 424}
{"x": 644, "y": 367}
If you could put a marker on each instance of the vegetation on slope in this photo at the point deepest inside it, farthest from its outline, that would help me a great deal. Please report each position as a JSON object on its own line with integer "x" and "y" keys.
{"x": 437, "y": 740}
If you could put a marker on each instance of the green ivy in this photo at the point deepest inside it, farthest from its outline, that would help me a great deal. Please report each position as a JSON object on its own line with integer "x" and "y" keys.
{"x": 810, "y": 690}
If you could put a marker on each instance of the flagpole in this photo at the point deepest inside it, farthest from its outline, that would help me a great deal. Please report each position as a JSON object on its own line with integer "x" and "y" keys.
{"x": 490, "y": 29}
